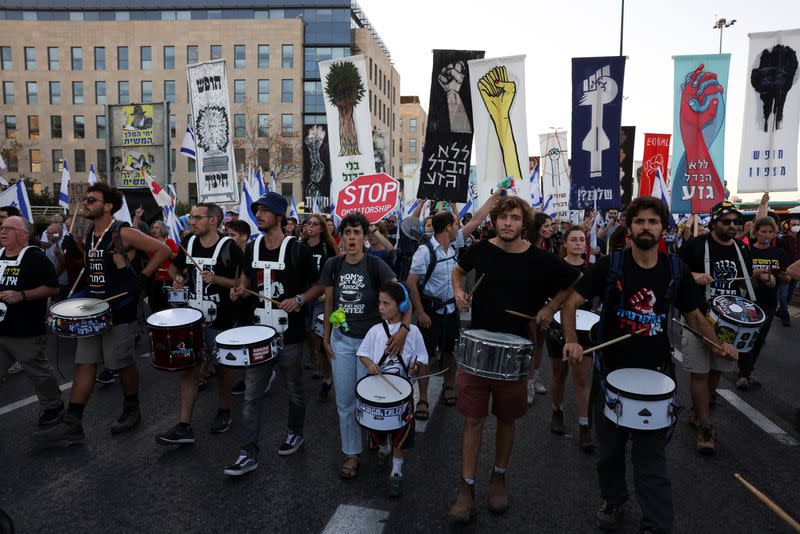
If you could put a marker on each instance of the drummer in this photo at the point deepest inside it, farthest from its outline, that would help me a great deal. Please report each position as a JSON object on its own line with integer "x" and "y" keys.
{"x": 205, "y": 243}
{"x": 637, "y": 298}
{"x": 714, "y": 259}
{"x": 519, "y": 277}
{"x": 115, "y": 260}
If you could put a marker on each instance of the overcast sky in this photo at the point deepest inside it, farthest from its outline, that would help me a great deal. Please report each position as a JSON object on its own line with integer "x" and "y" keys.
{"x": 551, "y": 33}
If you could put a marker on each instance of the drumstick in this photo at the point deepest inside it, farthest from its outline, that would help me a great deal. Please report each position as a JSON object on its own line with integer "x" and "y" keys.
{"x": 523, "y": 315}
{"x": 475, "y": 287}
{"x": 109, "y": 299}
{"x": 262, "y": 297}
{"x": 72, "y": 224}
{"x": 698, "y": 334}
{"x": 770, "y": 503}
{"x": 737, "y": 279}
{"x": 190, "y": 257}
{"x": 612, "y": 342}
{"x": 389, "y": 382}
{"x": 430, "y": 375}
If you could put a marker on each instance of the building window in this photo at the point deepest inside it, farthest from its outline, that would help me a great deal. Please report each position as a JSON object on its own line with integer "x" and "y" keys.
{"x": 412, "y": 146}
{"x": 36, "y": 160}
{"x": 32, "y": 92}
{"x": 412, "y": 125}
{"x": 100, "y": 123}
{"x": 286, "y": 155}
{"x": 11, "y": 126}
{"x": 55, "y": 126}
{"x": 262, "y": 155}
{"x": 238, "y": 56}
{"x": 412, "y": 161}
{"x": 146, "y": 53}
{"x": 124, "y": 93}
{"x": 122, "y": 58}
{"x": 5, "y": 58}
{"x": 52, "y": 58}
{"x": 101, "y": 161}
{"x": 169, "y": 90}
{"x": 263, "y": 56}
{"x": 30, "y": 58}
{"x": 58, "y": 160}
{"x": 238, "y": 91}
{"x": 33, "y": 126}
{"x": 287, "y": 56}
{"x": 77, "y": 93}
{"x": 79, "y": 165}
{"x": 192, "y": 54}
{"x": 286, "y": 189}
{"x": 55, "y": 93}
{"x": 99, "y": 58}
{"x": 239, "y": 126}
{"x": 191, "y": 166}
{"x": 169, "y": 58}
{"x": 263, "y": 91}
{"x": 78, "y": 127}
{"x": 173, "y": 126}
{"x": 287, "y": 91}
{"x": 287, "y": 123}
{"x": 263, "y": 125}
{"x": 172, "y": 159}
{"x": 147, "y": 91}
{"x": 100, "y": 92}
{"x": 216, "y": 51}
{"x": 8, "y": 93}
{"x": 77, "y": 58}
{"x": 240, "y": 157}
{"x": 401, "y": 144}
{"x": 313, "y": 99}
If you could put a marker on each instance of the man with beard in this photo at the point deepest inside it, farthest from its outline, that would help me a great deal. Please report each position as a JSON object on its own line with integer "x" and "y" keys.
{"x": 715, "y": 260}
{"x": 637, "y": 300}
{"x": 516, "y": 276}
{"x": 115, "y": 260}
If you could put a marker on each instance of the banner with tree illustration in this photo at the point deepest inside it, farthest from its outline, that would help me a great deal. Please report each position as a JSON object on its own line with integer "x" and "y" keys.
{"x": 771, "y": 114}
{"x": 499, "y": 118}
{"x": 344, "y": 82}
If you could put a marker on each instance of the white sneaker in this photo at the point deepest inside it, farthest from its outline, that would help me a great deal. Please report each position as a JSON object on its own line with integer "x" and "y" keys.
{"x": 531, "y": 393}
{"x": 14, "y": 369}
{"x": 271, "y": 380}
{"x": 540, "y": 388}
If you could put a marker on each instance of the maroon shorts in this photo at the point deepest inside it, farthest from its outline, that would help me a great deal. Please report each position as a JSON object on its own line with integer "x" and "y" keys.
{"x": 509, "y": 398}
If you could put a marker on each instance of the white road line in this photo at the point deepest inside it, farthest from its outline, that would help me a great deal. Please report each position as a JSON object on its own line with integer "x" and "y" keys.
{"x": 29, "y": 400}
{"x": 434, "y": 390}
{"x": 350, "y": 519}
{"x": 757, "y": 417}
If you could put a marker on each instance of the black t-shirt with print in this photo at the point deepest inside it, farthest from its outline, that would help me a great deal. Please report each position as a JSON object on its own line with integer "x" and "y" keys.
{"x": 28, "y": 317}
{"x": 321, "y": 252}
{"x": 771, "y": 259}
{"x": 644, "y": 306}
{"x": 520, "y": 281}
{"x": 724, "y": 265}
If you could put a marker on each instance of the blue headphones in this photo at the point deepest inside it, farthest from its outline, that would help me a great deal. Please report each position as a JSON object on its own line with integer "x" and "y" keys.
{"x": 406, "y": 304}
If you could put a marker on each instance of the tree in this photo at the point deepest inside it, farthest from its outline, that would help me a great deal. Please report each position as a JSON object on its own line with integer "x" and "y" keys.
{"x": 345, "y": 89}
{"x": 10, "y": 148}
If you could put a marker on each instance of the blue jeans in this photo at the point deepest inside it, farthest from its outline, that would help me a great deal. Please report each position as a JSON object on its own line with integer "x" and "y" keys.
{"x": 347, "y": 371}
{"x": 785, "y": 292}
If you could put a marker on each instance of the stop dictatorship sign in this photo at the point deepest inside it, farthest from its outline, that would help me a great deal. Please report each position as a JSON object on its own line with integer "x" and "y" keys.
{"x": 374, "y": 195}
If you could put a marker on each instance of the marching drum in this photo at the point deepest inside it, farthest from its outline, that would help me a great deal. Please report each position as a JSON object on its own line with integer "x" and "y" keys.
{"x": 494, "y": 354}
{"x": 319, "y": 325}
{"x": 378, "y": 406}
{"x": 246, "y": 346}
{"x": 584, "y": 322}
{"x": 176, "y": 336}
{"x": 640, "y": 399}
{"x": 177, "y": 298}
{"x": 736, "y": 320}
{"x": 80, "y": 317}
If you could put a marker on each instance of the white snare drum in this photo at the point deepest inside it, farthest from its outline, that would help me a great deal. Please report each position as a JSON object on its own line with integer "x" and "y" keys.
{"x": 640, "y": 399}
{"x": 736, "y": 320}
{"x": 494, "y": 354}
{"x": 177, "y": 297}
{"x": 80, "y": 317}
{"x": 378, "y": 406}
{"x": 319, "y": 325}
{"x": 246, "y": 346}
{"x": 584, "y": 322}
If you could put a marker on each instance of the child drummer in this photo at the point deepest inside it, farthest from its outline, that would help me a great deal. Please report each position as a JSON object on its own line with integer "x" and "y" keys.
{"x": 393, "y": 301}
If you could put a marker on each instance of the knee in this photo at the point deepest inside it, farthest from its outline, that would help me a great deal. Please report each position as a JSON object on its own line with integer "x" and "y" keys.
{"x": 474, "y": 423}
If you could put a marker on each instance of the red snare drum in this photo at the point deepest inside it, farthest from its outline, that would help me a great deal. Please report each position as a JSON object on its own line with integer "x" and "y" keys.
{"x": 176, "y": 336}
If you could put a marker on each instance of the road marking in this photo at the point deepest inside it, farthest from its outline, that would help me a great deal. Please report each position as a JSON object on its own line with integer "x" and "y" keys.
{"x": 350, "y": 519}
{"x": 434, "y": 386}
{"x": 757, "y": 417}
{"x": 29, "y": 400}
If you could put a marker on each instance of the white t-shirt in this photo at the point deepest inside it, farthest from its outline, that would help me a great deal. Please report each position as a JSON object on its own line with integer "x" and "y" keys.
{"x": 374, "y": 345}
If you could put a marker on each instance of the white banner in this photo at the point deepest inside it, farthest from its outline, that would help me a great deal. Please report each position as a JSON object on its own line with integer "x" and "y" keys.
{"x": 216, "y": 168}
{"x": 554, "y": 166}
{"x": 344, "y": 83}
{"x": 410, "y": 183}
{"x": 498, "y": 110}
{"x": 768, "y": 160}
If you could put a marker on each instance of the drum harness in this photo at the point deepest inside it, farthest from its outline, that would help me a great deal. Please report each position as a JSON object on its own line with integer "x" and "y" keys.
{"x": 614, "y": 283}
{"x": 267, "y": 315}
{"x": 9, "y": 263}
{"x": 208, "y": 308}
{"x": 707, "y": 263}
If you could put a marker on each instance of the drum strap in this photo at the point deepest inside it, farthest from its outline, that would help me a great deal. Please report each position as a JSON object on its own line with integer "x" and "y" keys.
{"x": 386, "y": 354}
{"x": 707, "y": 262}
{"x": 10, "y": 263}
{"x": 217, "y": 249}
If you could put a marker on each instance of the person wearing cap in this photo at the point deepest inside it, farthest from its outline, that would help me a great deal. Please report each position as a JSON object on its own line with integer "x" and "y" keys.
{"x": 723, "y": 266}
{"x": 293, "y": 285}
{"x": 232, "y": 214}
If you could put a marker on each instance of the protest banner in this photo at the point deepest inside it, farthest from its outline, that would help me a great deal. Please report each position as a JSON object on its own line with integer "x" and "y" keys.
{"x": 555, "y": 174}
{"x": 316, "y": 166}
{"x": 374, "y": 195}
{"x": 655, "y": 158}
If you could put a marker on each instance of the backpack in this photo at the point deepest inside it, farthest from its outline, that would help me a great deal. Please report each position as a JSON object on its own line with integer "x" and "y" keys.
{"x": 373, "y": 272}
{"x": 432, "y": 261}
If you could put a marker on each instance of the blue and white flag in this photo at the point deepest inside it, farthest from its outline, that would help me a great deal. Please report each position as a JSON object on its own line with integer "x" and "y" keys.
{"x": 188, "y": 146}
{"x": 413, "y": 206}
{"x": 173, "y": 225}
{"x": 259, "y": 182}
{"x": 63, "y": 195}
{"x": 467, "y": 207}
{"x": 273, "y": 185}
{"x": 245, "y": 213}
{"x": 17, "y": 196}
{"x": 660, "y": 191}
{"x": 124, "y": 214}
{"x": 2, "y": 163}
{"x": 92, "y": 178}
{"x": 293, "y": 210}
{"x": 549, "y": 207}
{"x": 536, "y": 188}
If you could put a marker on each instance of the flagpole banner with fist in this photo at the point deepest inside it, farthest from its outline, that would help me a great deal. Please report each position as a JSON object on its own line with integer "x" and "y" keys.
{"x": 316, "y": 166}
{"x": 444, "y": 170}
{"x": 771, "y": 111}
{"x": 597, "y": 84}
{"x": 699, "y": 132}
{"x": 555, "y": 174}
{"x": 655, "y": 159}
{"x": 211, "y": 117}
{"x": 344, "y": 83}
{"x": 499, "y": 119}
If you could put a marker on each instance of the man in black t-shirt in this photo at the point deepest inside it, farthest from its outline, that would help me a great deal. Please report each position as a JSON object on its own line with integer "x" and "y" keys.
{"x": 638, "y": 304}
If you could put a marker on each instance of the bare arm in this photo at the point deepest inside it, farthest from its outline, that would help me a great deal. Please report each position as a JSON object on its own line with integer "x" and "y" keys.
{"x": 326, "y": 324}
{"x": 420, "y": 205}
{"x": 135, "y": 239}
{"x": 411, "y": 283}
{"x": 699, "y": 323}
{"x": 794, "y": 270}
{"x": 572, "y": 349}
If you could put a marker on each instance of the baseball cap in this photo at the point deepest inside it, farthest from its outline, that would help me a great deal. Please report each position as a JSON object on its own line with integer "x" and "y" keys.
{"x": 724, "y": 208}
{"x": 273, "y": 202}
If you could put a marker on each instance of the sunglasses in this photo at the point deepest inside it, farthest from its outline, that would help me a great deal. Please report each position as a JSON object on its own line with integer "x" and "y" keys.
{"x": 728, "y": 222}
{"x": 91, "y": 200}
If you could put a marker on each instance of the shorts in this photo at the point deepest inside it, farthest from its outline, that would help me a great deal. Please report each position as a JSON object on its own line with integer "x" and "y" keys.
{"x": 509, "y": 397}
{"x": 697, "y": 357}
{"x": 113, "y": 348}
{"x": 443, "y": 333}
{"x": 311, "y": 310}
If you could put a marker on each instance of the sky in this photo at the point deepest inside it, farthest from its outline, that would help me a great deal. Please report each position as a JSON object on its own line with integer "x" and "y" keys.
{"x": 550, "y": 33}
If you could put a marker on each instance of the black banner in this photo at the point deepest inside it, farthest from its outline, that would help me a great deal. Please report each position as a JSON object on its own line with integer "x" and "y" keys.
{"x": 316, "y": 166}
{"x": 627, "y": 138}
{"x": 444, "y": 169}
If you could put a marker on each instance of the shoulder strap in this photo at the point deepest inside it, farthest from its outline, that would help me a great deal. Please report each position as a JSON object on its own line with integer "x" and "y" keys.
{"x": 218, "y": 248}
{"x": 432, "y": 260}
{"x": 386, "y": 354}
{"x": 373, "y": 271}
{"x": 190, "y": 245}
{"x": 707, "y": 266}
{"x": 675, "y": 276}
{"x": 116, "y": 241}
{"x": 613, "y": 287}
{"x": 747, "y": 280}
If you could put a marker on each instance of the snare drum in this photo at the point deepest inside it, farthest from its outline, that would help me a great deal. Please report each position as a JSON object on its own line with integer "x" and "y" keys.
{"x": 736, "y": 320}
{"x": 177, "y": 298}
{"x": 494, "y": 354}
{"x": 640, "y": 399}
{"x": 584, "y": 322}
{"x": 378, "y": 406}
{"x": 246, "y": 346}
{"x": 80, "y": 317}
{"x": 176, "y": 336}
{"x": 319, "y": 325}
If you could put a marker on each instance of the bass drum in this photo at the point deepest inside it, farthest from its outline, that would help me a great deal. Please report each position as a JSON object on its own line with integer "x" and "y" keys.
{"x": 176, "y": 336}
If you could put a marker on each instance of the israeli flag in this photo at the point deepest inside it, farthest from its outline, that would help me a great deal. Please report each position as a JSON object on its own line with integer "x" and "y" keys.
{"x": 293, "y": 210}
{"x": 63, "y": 195}
{"x": 259, "y": 183}
{"x": 2, "y": 163}
{"x": 245, "y": 213}
{"x": 92, "y": 179}
{"x": 173, "y": 225}
{"x": 413, "y": 206}
{"x": 548, "y": 207}
{"x": 188, "y": 146}
{"x": 467, "y": 207}
{"x": 660, "y": 191}
{"x": 536, "y": 188}
{"x": 17, "y": 196}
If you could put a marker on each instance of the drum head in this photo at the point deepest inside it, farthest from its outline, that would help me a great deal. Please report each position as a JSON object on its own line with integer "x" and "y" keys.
{"x": 245, "y": 335}
{"x": 584, "y": 320}
{"x": 738, "y": 310}
{"x": 496, "y": 338}
{"x": 174, "y": 317}
{"x": 641, "y": 382}
{"x": 374, "y": 389}
{"x": 70, "y": 308}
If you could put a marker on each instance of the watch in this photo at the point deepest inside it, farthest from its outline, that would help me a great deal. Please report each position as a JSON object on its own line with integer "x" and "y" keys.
{"x": 299, "y": 300}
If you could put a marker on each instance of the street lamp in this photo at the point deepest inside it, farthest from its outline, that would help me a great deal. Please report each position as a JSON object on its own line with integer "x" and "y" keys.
{"x": 721, "y": 24}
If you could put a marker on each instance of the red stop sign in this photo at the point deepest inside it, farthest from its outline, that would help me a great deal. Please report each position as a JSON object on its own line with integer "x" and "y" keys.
{"x": 374, "y": 195}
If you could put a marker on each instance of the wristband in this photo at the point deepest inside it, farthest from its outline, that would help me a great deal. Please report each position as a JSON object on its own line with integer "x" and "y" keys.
{"x": 404, "y": 325}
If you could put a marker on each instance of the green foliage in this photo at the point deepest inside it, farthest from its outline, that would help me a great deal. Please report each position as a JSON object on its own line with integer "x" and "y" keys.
{"x": 343, "y": 85}
{"x": 182, "y": 208}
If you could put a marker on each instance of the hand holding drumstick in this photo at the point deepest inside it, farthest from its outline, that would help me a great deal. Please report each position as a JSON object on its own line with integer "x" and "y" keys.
{"x": 464, "y": 299}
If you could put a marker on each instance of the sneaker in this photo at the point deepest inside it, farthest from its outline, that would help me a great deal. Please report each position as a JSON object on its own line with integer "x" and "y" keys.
{"x": 50, "y": 416}
{"x": 541, "y": 389}
{"x": 324, "y": 390}
{"x": 743, "y": 383}
{"x": 585, "y": 438}
{"x": 107, "y": 376}
{"x": 498, "y": 495}
{"x": 16, "y": 368}
{"x": 243, "y": 465}
{"x": 395, "y": 485}
{"x": 609, "y": 516}
{"x": 179, "y": 435}
{"x": 706, "y": 440}
{"x": 785, "y": 319}
{"x": 531, "y": 393}
{"x": 130, "y": 418}
{"x": 68, "y": 432}
{"x": 222, "y": 422}
{"x": 292, "y": 443}
{"x": 557, "y": 422}
{"x": 238, "y": 388}
{"x": 271, "y": 380}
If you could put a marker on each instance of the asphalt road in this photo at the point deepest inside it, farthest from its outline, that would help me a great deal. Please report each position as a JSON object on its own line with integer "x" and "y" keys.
{"x": 128, "y": 483}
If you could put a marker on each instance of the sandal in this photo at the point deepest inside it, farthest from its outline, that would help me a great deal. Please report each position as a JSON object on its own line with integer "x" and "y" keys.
{"x": 421, "y": 414}
{"x": 349, "y": 469}
{"x": 451, "y": 400}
